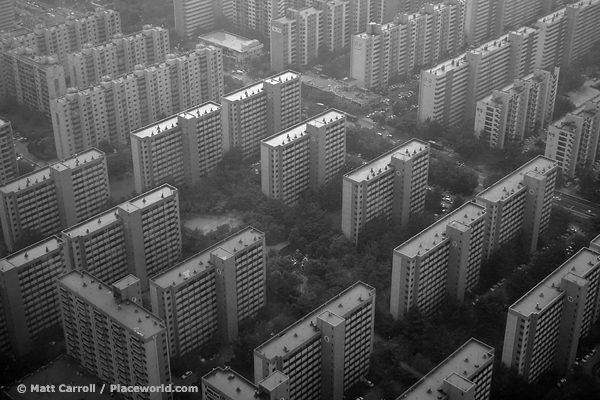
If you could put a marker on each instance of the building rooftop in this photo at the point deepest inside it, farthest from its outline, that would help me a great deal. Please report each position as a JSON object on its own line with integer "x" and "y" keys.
{"x": 149, "y": 198}
{"x": 198, "y": 111}
{"x": 78, "y": 159}
{"x": 157, "y": 128}
{"x": 30, "y": 253}
{"x": 555, "y": 16}
{"x": 233, "y": 385}
{"x": 580, "y": 264}
{"x": 26, "y": 181}
{"x": 370, "y": 170}
{"x": 512, "y": 182}
{"x": 464, "y": 362}
{"x": 91, "y": 225}
{"x": 273, "y": 380}
{"x": 126, "y": 281}
{"x": 435, "y": 234}
{"x": 179, "y": 273}
{"x": 230, "y": 40}
{"x": 245, "y": 92}
{"x": 299, "y": 131}
{"x": 304, "y": 329}
{"x": 282, "y": 77}
{"x": 126, "y": 313}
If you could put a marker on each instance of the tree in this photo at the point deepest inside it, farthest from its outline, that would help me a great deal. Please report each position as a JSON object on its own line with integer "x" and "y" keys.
{"x": 562, "y": 106}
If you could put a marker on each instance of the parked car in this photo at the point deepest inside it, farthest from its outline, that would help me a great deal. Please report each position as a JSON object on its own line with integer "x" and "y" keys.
{"x": 186, "y": 375}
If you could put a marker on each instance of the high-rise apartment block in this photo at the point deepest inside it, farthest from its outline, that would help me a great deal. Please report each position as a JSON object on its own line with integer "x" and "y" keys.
{"x": 520, "y": 202}
{"x": 113, "y": 337}
{"x": 512, "y": 112}
{"x": 544, "y": 326}
{"x": 465, "y": 374}
{"x": 28, "y": 293}
{"x": 552, "y": 30}
{"x": 259, "y": 110}
{"x": 117, "y": 57}
{"x": 303, "y": 157}
{"x": 54, "y": 198}
{"x": 250, "y": 15}
{"x": 191, "y": 15}
{"x": 444, "y": 259}
{"x": 141, "y": 237}
{"x": 211, "y": 292}
{"x": 327, "y": 351}
{"x": 392, "y": 185}
{"x": 33, "y": 80}
{"x": 449, "y": 91}
{"x": 410, "y": 41}
{"x": 226, "y": 384}
{"x": 113, "y": 108}
{"x": 8, "y": 159}
{"x": 179, "y": 149}
{"x": 573, "y": 141}
{"x": 583, "y": 28}
{"x": 7, "y": 15}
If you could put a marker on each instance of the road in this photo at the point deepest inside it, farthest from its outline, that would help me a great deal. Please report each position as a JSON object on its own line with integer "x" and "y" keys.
{"x": 21, "y": 149}
{"x": 577, "y": 206}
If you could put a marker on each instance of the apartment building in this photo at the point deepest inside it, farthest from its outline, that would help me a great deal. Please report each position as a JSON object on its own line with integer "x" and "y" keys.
{"x": 552, "y": 37}
{"x": 444, "y": 259}
{"x": 28, "y": 294}
{"x": 303, "y": 157}
{"x": 520, "y": 202}
{"x": 260, "y": 110}
{"x": 573, "y": 140}
{"x": 141, "y": 237}
{"x": 543, "y": 328}
{"x": 249, "y": 15}
{"x": 117, "y": 57}
{"x": 327, "y": 351}
{"x": 110, "y": 110}
{"x": 192, "y": 15}
{"x": 336, "y": 23}
{"x": 511, "y": 113}
{"x": 410, "y": 41}
{"x": 113, "y": 337}
{"x": 211, "y": 292}
{"x": 9, "y": 168}
{"x": 450, "y": 90}
{"x": 178, "y": 149}
{"x": 226, "y": 384}
{"x": 33, "y": 80}
{"x": 7, "y": 15}
{"x": 238, "y": 51}
{"x": 465, "y": 374}
{"x": 392, "y": 185}
{"x": 54, "y": 198}
{"x": 583, "y": 28}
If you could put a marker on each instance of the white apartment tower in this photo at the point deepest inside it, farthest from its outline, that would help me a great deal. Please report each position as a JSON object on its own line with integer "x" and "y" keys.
{"x": 113, "y": 108}
{"x": 7, "y": 15}
{"x": 260, "y": 110}
{"x": 257, "y": 15}
{"x": 573, "y": 141}
{"x": 178, "y": 149}
{"x": 191, "y": 15}
{"x": 465, "y": 374}
{"x": 512, "y": 112}
{"x": 393, "y": 185}
{"x": 211, "y": 292}
{"x": 28, "y": 293}
{"x": 327, "y": 351}
{"x": 444, "y": 259}
{"x": 113, "y": 337}
{"x": 141, "y": 237}
{"x": 303, "y": 157}
{"x": 117, "y": 57}
{"x": 544, "y": 326}
{"x": 9, "y": 168}
{"x": 54, "y": 198}
{"x": 519, "y": 202}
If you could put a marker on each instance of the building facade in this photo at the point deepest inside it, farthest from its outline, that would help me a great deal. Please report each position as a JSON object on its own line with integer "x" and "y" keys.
{"x": 465, "y": 374}
{"x": 211, "y": 292}
{"x": 7, "y": 15}
{"x": 511, "y": 113}
{"x": 9, "y": 168}
{"x": 191, "y": 15}
{"x": 54, "y": 198}
{"x": 543, "y": 328}
{"x": 520, "y": 202}
{"x": 113, "y": 108}
{"x": 226, "y": 384}
{"x": 117, "y": 57}
{"x": 179, "y": 149}
{"x": 327, "y": 351}
{"x": 250, "y": 15}
{"x": 28, "y": 293}
{"x": 573, "y": 141}
{"x": 303, "y": 157}
{"x": 442, "y": 260}
{"x": 393, "y": 185}
{"x": 113, "y": 337}
{"x": 260, "y": 110}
